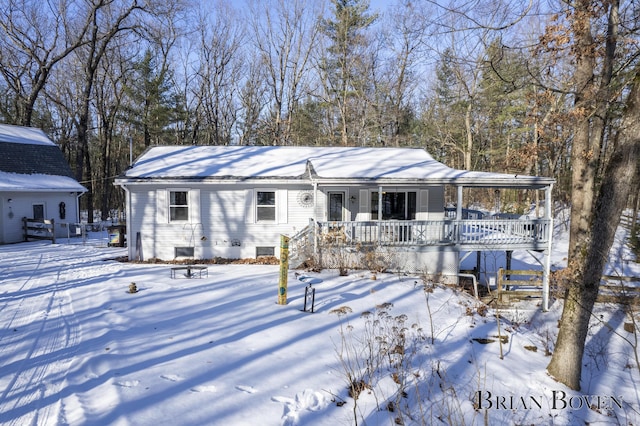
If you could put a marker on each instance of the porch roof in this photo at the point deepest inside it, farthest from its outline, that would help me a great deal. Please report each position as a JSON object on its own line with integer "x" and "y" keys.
{"x": 325, "y": 165}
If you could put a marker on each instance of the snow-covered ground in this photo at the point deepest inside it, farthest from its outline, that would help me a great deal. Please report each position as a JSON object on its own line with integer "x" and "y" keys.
{"x": 76, "y": 348}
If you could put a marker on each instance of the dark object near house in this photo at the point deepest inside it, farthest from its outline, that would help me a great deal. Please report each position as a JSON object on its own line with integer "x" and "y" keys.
{"x": 117, "y": 235}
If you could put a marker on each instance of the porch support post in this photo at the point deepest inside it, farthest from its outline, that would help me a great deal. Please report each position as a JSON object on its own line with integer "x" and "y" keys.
{"x": 315, "y": 201}
{"x": 315, "y": 217}
{"x": 548, "y": 208}
{"x": 548, "y": 213}
{"x": 457, "y": 226}
{"x": 379, "y": 214}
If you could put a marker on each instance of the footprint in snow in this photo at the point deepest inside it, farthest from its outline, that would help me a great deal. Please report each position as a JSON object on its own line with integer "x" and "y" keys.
{"x": 247, "y": 389}
{"x": 128, "y": 383}
{"x": 171, "y": 377}
{"x": 283, "y": 399}
{"x": 204, "y": 388}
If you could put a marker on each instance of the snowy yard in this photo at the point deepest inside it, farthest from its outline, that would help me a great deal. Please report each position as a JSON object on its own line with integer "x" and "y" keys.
{"x": 76, "y": 348}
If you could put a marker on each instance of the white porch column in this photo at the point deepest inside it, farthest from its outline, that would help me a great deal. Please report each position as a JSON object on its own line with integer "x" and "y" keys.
{"x": 459, "y": 204}
{"x": 315, "y": 217}
{"x": 548, "y": 213}
{"x": 379, "y": 214}
{"x": 548, "y": 207}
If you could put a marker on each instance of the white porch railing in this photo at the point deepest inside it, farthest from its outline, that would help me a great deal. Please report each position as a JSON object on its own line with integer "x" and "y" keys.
{"x": 504, "y": 234}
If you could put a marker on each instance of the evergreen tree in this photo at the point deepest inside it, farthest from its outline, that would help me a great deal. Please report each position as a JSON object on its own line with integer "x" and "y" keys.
{"x": 344, "y": 68}
{"x": 153, "y": 108}
{"x": 501, "y": 108}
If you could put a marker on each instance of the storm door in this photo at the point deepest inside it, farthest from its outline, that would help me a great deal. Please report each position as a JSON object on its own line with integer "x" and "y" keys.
{"x": 336, "y": 206}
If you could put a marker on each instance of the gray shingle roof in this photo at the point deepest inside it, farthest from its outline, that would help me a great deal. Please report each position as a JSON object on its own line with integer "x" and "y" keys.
{"x": 27, "y": 150}
{"x": 33, "y": 159}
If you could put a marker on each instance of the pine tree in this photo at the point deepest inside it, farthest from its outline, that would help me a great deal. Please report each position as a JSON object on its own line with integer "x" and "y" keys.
{"x": 344, "y": 67}
{"x": 153, "y": 108}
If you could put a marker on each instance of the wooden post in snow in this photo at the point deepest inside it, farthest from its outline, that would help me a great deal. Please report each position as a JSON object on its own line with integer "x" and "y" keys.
{"x": 284, "y": 270}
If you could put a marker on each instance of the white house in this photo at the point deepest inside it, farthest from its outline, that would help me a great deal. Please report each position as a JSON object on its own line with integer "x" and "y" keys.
{"x": 235, "y": 201}
{"x": 36, "y": 182}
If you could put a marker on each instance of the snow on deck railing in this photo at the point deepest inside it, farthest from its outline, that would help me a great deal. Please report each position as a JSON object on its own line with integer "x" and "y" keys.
{"x": 493, "y": 232}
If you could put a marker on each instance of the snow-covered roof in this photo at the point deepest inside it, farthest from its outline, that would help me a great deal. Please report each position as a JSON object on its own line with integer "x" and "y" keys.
{"x": 324, "y": 164}
{"x": 30, "y": 161}
{"x": 11, "y": 182}
{"x": 26, "y": 135}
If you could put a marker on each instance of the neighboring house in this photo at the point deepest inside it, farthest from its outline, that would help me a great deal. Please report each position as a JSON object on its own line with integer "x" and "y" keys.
{"x": 36, "y": 182}
{"x": 235, "y": 201}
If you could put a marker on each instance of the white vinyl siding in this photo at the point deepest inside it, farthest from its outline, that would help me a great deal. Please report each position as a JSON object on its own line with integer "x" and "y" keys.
{"x": 423, "y": 205}
{"x": 162, "y": 206}
{"x": 249, "y": 209}
{"x": 281, "y": 206}
{"x": 364, "y": 212}
{"x": 194, "y": 205}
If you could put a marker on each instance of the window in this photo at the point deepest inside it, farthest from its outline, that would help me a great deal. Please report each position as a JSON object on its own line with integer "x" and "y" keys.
{"x": 179, "y": 205}
{"x": 265, "y": 251}
{"x": 38, "y": 211}
{"x": 266, "y": 206}
{"x": 184, "y": 251}
{"x": 395, "y": 205}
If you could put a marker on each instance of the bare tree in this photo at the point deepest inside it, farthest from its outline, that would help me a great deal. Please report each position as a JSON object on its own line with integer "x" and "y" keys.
{"x": 111, "y": 153}
{"x": 408, "y": 30}
{"x": 33, "y": 40}
{"x": 218, "y": 75}
{"x": 107, "y": 21}
{"x": 464, "y": 58}
{"x": 284, "y": 33}
{"x": 253, "y": 100}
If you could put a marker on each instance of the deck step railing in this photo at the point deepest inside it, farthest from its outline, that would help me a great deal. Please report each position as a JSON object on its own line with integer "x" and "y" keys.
{"x": 301, "y": 245}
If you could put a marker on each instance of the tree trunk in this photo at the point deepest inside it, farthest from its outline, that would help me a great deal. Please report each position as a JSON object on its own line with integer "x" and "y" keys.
{"x": 469, "y": 134}
{"x": 583, "y": 156}
{"x": 620, "y": 174}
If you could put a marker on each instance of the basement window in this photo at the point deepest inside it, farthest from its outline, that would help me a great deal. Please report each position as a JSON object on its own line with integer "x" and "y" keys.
{"x": 265, "y": 251}
{"x": 184, "y": 251}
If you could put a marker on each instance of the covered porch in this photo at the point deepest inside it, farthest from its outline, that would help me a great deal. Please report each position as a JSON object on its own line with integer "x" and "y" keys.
{"x": 449, "y": 232}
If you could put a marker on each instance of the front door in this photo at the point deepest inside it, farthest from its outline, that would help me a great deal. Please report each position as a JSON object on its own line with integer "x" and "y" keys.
{"x": 336, "y": 206}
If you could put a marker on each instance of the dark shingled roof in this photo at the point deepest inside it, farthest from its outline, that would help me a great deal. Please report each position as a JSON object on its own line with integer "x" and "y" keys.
{"x": 30, "y": 159}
